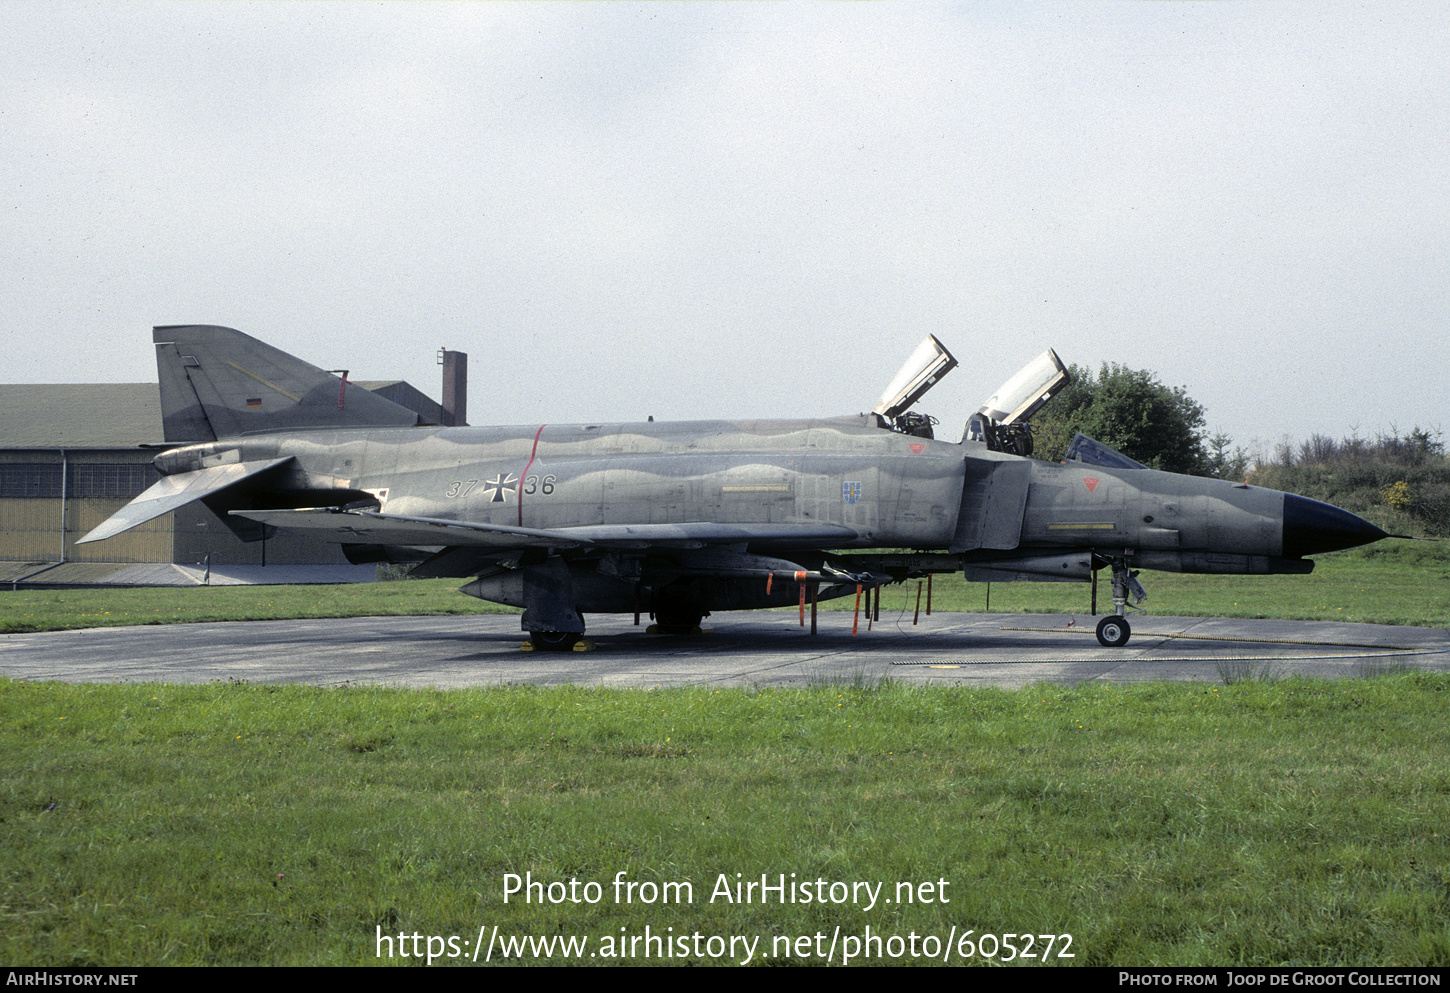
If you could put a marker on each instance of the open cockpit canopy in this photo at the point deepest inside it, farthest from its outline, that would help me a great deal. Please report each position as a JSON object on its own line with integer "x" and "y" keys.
{"x": 926, "y": 367}
{"x": 1001, "y": 422}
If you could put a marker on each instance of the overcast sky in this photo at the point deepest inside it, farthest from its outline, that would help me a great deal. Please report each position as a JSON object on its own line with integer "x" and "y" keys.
{"x": 742, "y": 210}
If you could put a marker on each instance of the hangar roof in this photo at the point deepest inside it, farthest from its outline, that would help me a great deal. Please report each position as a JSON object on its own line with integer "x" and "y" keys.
{"x": 88, "y": 415}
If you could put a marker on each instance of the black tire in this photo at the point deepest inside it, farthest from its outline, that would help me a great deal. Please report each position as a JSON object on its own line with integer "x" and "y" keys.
{"x": 676, "y": 620}
{"x": 554, "y": 641}
{"x": 1113, "y": 631}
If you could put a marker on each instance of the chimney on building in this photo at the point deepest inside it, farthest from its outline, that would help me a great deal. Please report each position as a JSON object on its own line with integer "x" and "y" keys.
{"x": 455, "y": 387}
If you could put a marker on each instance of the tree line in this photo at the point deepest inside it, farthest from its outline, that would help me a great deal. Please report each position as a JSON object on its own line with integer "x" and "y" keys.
{"x": 1400, "y": 480}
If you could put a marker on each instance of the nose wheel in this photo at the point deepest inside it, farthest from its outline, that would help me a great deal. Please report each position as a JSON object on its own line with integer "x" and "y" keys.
{"x": 1113, "y": 631}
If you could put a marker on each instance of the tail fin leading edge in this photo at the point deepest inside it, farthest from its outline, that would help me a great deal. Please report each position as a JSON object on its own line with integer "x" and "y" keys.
{"x": 219, "y": 383}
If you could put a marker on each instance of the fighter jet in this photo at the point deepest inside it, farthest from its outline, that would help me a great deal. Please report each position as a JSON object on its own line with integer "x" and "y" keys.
{"x": 682, "y": 519}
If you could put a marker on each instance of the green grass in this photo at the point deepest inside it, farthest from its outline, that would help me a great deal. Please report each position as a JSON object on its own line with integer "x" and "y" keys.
{"x": 1261, "y": 823}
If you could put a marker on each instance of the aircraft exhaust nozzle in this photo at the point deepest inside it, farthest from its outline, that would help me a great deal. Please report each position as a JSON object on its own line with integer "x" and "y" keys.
{"x": 1311, "y": 527}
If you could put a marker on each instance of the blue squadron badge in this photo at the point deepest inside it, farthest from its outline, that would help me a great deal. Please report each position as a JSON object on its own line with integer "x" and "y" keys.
{"x": 851, "y": 492}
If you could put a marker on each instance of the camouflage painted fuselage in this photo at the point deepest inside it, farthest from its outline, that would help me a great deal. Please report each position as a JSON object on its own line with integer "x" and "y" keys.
{"x": 954, "y": 506}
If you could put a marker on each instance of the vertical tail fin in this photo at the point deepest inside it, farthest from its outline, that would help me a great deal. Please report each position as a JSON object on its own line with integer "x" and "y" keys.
{"x": 218, "y": 383}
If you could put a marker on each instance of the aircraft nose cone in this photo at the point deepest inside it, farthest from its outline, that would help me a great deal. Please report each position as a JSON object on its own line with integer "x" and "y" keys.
{"x": 1311, "y": 527}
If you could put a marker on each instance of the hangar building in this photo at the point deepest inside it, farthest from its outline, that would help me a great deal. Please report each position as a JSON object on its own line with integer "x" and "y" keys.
{"x": 72, "y": 455}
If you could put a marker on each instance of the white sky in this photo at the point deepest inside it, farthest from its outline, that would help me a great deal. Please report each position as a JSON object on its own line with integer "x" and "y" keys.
{"x": 742, "y": 210}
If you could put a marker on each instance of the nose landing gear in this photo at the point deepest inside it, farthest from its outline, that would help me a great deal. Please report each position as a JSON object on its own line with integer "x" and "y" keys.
{"x": 1114, "y": 629}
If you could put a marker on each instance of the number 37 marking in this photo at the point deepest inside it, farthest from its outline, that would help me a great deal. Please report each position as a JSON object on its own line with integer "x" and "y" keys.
{"x": 532, "y": 485}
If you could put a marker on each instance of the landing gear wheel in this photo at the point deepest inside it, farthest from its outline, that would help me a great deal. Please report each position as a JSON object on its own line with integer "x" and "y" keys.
{"x": 1113, "y": 631}
{"x": 677, "y": 621}
{"x": 554, "y": 641}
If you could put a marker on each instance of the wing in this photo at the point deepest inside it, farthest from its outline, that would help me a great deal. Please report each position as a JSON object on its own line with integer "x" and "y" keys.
{"x": 350, "y": 526}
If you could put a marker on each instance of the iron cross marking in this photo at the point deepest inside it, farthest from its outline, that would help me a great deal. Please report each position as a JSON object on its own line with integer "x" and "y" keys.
{"x": 498, "y": 488}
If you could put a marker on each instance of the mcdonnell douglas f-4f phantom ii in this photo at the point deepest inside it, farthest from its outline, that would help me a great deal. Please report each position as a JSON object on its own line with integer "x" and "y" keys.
{"x": 681, "y": 519}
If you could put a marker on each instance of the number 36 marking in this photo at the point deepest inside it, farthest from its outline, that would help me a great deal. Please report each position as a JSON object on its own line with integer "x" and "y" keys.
{"x": 533, "y": 484}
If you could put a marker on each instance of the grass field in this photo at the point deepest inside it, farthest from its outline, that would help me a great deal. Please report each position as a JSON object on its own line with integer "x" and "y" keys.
{"x": 1259, "y": 823}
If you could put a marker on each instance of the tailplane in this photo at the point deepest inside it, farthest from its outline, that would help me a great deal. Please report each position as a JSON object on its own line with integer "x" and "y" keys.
{"x": 218, "y": 383}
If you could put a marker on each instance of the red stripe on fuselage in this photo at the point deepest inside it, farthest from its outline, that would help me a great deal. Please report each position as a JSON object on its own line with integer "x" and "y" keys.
{"x": 525, "y": 474}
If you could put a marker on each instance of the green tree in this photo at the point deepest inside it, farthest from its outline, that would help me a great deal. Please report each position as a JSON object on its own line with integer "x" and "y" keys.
{"x": 1130, "y": 410}
{"x": 1223, "y": 463}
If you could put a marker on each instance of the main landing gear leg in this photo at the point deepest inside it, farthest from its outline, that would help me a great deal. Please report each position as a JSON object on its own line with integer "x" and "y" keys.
{"x": 1114, "y": 630}
{"x": 550, "y": 617}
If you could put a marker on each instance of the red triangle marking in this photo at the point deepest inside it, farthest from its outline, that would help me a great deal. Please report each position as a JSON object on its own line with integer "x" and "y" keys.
{"x": 1091, "y": 484}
